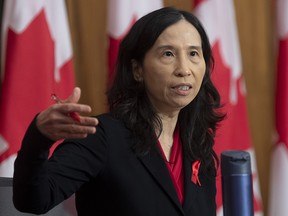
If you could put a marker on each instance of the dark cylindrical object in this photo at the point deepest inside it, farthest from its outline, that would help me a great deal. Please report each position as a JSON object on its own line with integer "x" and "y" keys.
{"x": 237, "y": 186}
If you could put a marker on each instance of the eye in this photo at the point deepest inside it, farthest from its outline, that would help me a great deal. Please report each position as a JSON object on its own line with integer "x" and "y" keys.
{"x": 194, "y": 53}
{"x": 168, "y": 53}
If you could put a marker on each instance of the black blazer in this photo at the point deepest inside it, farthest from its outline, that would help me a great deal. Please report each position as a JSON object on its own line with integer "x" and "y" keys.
{"x": 109, "y": 179}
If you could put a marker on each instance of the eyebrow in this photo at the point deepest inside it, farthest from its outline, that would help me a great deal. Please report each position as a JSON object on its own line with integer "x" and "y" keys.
{"x": 172, "y": 47}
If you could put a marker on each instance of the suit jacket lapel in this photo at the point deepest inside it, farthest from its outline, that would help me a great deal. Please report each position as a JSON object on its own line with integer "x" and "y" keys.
{"x": 155, "y": 164}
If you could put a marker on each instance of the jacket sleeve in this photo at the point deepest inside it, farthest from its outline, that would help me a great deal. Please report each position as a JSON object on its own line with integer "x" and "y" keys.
{"x": 29, "y": 168}
{"x": 40, "y": 182}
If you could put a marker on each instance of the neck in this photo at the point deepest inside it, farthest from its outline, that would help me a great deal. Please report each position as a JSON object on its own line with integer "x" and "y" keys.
{"x": 168, "y": 124}
{"x": 166, "y": 136}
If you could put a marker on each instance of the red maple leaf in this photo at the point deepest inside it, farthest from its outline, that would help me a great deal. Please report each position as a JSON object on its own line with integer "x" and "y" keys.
{"x": 29, "y": 80}
{"x": 233, "y": 133}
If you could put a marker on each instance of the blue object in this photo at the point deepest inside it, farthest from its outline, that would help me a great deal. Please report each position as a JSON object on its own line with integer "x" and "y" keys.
{"x": 237, "y": 184}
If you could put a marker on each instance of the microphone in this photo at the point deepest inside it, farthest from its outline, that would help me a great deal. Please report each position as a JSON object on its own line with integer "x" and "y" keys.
{"x": 237, "y": 186}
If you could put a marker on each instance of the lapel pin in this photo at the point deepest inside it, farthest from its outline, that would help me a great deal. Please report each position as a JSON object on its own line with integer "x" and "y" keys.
{"x": 195, "y": 171}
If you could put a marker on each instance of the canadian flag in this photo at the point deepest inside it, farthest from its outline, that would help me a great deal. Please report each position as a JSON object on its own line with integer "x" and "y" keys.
{"x": 218, "y": 18}
{"x": 36, "y": 61}
{"x": 122, "y": 14}
{"x": 279, "y": 161}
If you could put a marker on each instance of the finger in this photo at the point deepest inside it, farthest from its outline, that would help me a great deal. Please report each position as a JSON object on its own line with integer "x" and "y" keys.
{"x": 65, "y": 135}
{"x": 81, "y": 120}
{"x": 63, "y": 113}
{"x": 75, "y": 96}
{"x": 72, "y": 136}
{"x": 67, "y": 131}
{"x": 72, "y": 107}
{"x": 88, "y": 121}
{"x": 75, "y": 127}
{"x": 70, "y": 129}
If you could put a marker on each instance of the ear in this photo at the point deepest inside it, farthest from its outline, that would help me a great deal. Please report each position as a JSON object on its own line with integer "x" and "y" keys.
{"x": 137, "y": 70}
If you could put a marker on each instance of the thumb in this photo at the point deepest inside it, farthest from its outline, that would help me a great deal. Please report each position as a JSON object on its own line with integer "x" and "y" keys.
{"x": 75, "y": 96}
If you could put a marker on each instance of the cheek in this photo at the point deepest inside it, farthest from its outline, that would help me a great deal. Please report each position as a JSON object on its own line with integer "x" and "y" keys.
{"x": 200, "y": 73}
{"x": 155, "y": 74}
{"x": 202, "y": 77}
{"x": 199, "y": 77}
{"x": 155, "y": 85}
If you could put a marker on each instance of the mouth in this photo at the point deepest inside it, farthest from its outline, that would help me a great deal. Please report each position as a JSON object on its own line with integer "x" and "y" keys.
{"x": 182, "y": 89}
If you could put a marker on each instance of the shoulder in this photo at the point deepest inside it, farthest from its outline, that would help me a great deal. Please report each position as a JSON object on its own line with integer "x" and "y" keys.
{"x": 110, "y": 125}
{"x": 107, "y": 120}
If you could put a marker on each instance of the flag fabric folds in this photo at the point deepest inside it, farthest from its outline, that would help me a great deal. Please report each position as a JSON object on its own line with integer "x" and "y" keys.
{"x": 278, "y": 194}
{"x": 218, "y": 18}
{"x": 36, "y": 61}
{"x": 121, "y": 16}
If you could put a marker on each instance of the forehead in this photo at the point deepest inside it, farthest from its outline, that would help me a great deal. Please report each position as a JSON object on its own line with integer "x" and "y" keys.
{"x": 180, "y": 32}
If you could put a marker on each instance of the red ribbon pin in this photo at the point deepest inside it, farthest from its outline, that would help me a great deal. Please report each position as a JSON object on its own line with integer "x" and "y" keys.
{"x": 195, "y": 171}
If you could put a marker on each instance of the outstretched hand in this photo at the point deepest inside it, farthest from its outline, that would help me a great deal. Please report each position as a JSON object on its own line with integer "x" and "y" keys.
{"x": 59, "y": 121}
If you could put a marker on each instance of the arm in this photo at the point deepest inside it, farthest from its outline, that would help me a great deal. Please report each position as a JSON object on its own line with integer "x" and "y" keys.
{"x": 38, "y": 184}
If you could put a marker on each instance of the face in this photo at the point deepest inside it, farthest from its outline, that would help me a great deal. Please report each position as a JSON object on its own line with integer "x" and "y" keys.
{"x": 173, "y": 69}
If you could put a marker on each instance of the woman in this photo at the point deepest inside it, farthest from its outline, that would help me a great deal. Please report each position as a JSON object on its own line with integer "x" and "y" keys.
{"x": 152, "y": 154}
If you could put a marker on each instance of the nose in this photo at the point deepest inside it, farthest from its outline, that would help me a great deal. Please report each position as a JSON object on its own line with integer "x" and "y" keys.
{"x": 183, "y": 67}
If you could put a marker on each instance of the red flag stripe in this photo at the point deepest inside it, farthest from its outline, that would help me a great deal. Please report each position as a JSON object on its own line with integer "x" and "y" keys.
{"x": 122, "y": 14}
{"x": 282, "y": 93}
{"x": 278, "y": 194}
{"x": 36, "y": 65}
{"x": 218, "y": 18}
